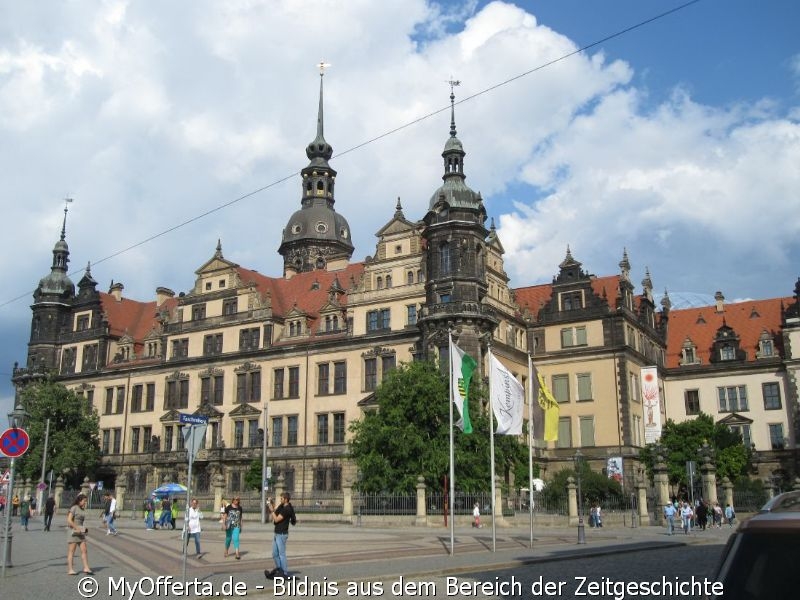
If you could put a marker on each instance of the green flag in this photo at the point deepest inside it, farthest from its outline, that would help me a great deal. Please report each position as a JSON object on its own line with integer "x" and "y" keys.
{"x": 462, "y": 367}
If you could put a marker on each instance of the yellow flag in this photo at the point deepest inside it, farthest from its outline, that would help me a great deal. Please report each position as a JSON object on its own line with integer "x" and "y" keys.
{"x": 550, "y": 407}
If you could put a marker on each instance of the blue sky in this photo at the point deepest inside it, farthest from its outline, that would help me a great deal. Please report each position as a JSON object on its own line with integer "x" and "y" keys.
{"x": 678, "y": 140}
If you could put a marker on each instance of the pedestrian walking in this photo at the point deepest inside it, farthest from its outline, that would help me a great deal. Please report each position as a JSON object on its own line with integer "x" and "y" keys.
{"x": 669, "y": 515}
{"x": 193, "y": 525}
{"x": 174, "y": 513}
{"x": 282, "y": 516}
{"x": 25, "y": 512}
{"x": 686, "y": 518}
{"x": 476, "y": 516}
{"x": 15, "y": 505}
{"x": 233, "y": 526}
{"x": 730, "y": 515}
{"x": 49, "y": 512}
{"x": 111, "y": 529}
{"x": 77, "y": 533}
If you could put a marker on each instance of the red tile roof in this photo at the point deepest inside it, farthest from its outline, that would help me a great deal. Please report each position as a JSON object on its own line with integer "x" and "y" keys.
{"x": 747, "y": 319}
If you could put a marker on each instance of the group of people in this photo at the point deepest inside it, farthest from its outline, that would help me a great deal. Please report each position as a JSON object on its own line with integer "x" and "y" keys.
{"x": 25, "y": 508}
{"x": 282, "y": 516}
{"x": 168, "y": 516}
{"x": 697, "y": 516}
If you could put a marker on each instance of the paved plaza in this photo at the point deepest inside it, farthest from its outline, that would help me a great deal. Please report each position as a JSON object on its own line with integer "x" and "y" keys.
{"x": 325, "y": 558}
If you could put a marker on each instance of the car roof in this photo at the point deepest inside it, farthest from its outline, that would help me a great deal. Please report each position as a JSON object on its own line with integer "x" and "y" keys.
{"x": 786, "y": 502}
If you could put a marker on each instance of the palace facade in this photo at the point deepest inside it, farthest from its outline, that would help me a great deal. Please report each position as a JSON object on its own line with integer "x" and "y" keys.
{"x": 300, "y": 355}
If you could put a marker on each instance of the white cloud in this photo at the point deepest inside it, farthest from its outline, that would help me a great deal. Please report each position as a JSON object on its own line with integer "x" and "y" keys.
{"x": 152, "y": 114}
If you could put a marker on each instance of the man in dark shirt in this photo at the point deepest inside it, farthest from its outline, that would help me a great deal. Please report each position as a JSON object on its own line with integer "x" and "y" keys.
{"x": 49, "y": 511}
{"x": 282, "y": 516}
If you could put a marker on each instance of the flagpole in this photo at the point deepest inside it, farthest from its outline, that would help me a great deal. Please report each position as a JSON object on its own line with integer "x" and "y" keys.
{"x": 530, "y": 444}
{"x": 452, "y": 454}
{"x": 491, "y": 456}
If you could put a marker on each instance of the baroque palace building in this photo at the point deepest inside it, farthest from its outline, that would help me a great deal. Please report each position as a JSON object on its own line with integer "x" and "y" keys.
{"x": 304, "y": 353}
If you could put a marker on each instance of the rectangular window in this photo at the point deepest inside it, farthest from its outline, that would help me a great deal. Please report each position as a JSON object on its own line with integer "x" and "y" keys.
{"x": 135, "y": 432}
{"x": 249, "y": 339}
{"x": 215, "y": 437}
{"x": 561, "y": 388}
{"x": 336, "y": 479}
{"x": 120, "y": 400}
{"x": 320, "y": 477}
{"x": 106, "y": 441}
{"x": 564, "y": 433}
{"x": 68, "y": 361}
{"x": 253, "y": 436}
{"x": 338, "y": 428}
{"x": 180, "y": 443}
{"x": 692, "y": 401}
{"x": 732, "y": 398}
{"x": 136, "y": 398}
{"x": 370, "y": 374}
{"x": 248, "y": 386}
{"x": 573, "y": 336}
{"x": 587, "y": 431}
{"x": 198, "y": 312}
{"x": 205, "y": 390}
{"x": 323, "y": 379}
{"x": 776, "y": 436}
{"x": 147, "y": 436}
{"x": 180, "y": 348}
{"x": 291, "y": 430}
{"x": 108, "y": 408}
{"x": 584, "y": 387}
{"x": 219, "y": 389}
{"x": 387, "y": 365}
{"x": 236, "y": 481}
{"x": 238, "y": 434}
{"x": 411, "y": 314}
{"x": 212, "y": 344}
{"x": 150, "y": 401}
{"x": 277, "y": 432}
{"x": 772, "y": 396}
{"x": 294, "y": 382}
{"x": 340, "y": 377}
{"x": 83, "y": 323}
{"x": 277, "y": 384}
{"x": 744, "y": 431}
{"x": 230, "y": 306}
{"x": 322, "y": 429}
{"x": 378, "y": 320}
{"x": 89, "y": 362}
{"x": 571, "y": 300}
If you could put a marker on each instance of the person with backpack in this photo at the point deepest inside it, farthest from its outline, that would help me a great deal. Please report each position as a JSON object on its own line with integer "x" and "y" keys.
{"x": 282, "y": 516}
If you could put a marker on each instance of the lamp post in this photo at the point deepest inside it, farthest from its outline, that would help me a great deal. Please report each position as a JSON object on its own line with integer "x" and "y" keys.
{"x": 264, "y": 434}
{"x": 581, "y": 529}
{"x": 16, "y": 419}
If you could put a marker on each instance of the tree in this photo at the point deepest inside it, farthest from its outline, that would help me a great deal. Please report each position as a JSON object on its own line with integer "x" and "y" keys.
{"x": 73, "y": 448}
{"x": 682, "y": 441}
{"x": 594, "y": 485}
{"x": 408, "y": 436}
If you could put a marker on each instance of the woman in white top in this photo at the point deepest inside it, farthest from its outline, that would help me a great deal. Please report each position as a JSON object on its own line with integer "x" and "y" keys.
{"x": 193, "y": 525}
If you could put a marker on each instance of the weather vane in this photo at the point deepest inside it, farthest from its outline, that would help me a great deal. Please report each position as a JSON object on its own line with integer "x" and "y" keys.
{"x": 453, "y": 83}
{"x": 322, "y": 66}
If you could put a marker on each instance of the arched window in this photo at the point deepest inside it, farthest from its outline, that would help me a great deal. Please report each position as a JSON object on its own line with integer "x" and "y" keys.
{"x": 379, "y": 283}
{"x": 410, "y": 278}
{"x": 388, "y": 281}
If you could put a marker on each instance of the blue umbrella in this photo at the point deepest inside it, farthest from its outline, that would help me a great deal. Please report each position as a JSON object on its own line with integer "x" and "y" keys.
{"x": 169, "y": 489}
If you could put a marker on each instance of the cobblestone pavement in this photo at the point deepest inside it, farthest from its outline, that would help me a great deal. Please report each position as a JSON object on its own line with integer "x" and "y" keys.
{"x": 328, "y": 558}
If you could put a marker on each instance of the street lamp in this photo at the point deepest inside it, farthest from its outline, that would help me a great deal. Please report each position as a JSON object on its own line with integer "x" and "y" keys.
{"x": 581, "y": 529}
{"x": 16, "y": 419}
{"x": 264, "y": 433}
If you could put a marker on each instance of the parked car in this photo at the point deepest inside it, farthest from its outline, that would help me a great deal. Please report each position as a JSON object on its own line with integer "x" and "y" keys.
{"x": 760, "y": 561}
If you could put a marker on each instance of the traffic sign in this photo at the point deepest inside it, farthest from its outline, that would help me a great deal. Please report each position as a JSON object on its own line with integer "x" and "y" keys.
{"x": 14, "y": 442}
{"x": 6, "y": 477}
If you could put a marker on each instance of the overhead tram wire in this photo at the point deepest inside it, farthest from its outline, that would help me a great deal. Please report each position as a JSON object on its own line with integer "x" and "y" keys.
{"x": 378, "y": 138}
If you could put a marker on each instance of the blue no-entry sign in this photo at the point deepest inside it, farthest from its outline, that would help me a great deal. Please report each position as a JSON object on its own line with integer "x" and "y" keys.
{"x": 14, "y": 442}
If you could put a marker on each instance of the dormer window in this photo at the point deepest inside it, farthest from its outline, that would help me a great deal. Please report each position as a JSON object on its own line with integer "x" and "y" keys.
{"x": 727, "y": 353}
{"x": 766, "y": 346}
{"x": 571, "y": 300}
{"x": 689, "y": 353}
{"x": 82, "y": 323}
{"x": 295, "y": 328}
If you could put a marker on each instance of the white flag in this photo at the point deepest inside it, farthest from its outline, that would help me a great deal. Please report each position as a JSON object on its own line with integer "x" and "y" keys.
{"x": 508, "y": 398}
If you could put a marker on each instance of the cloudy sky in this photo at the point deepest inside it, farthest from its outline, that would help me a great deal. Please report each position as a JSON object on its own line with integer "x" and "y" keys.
{"x": 183, "y": 122}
